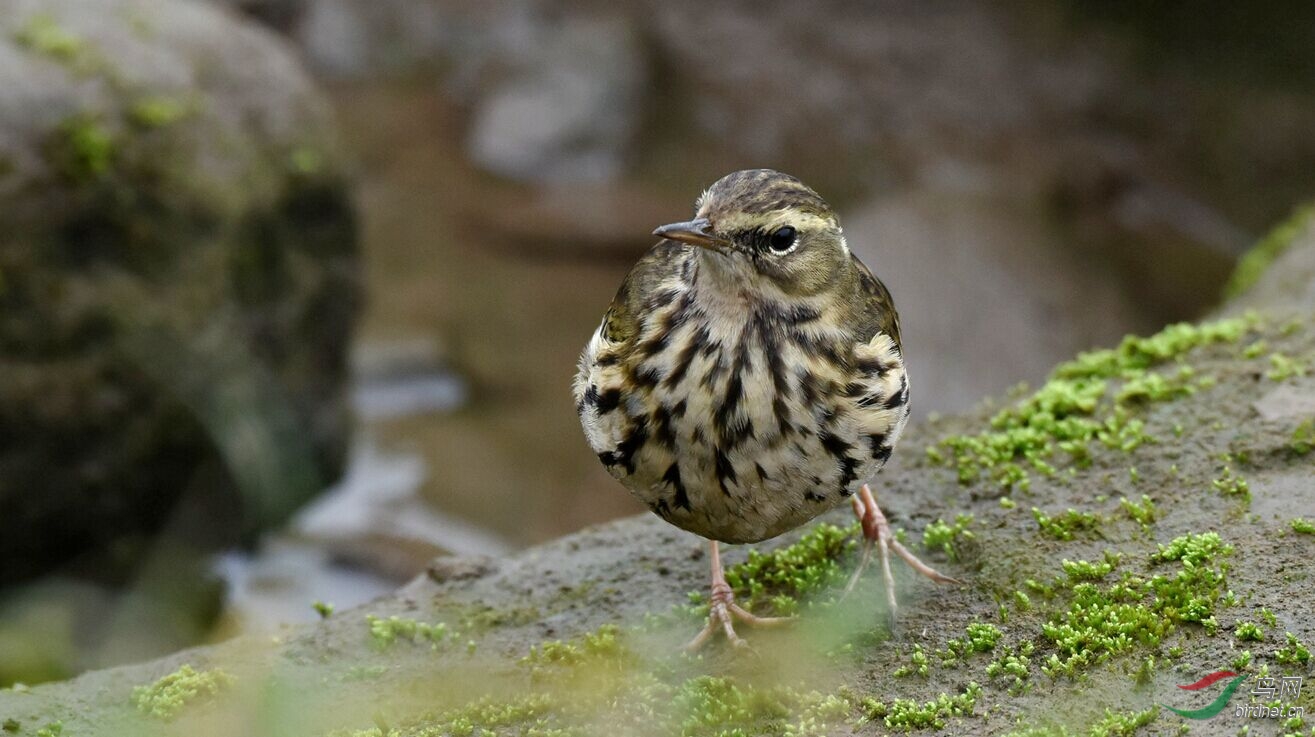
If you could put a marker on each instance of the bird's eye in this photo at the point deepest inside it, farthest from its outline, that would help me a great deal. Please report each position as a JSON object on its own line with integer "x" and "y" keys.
{"x": 782, "y": 239}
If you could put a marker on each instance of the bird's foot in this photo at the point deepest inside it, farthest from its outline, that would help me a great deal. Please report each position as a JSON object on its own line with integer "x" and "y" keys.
{"x": 721, "y": 616}
{"x": 876, "y": 533}
{"x": 723, "y": 611}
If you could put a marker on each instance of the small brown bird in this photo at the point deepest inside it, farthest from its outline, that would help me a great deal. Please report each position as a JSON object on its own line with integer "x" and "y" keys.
{"x": 748, "y": 377}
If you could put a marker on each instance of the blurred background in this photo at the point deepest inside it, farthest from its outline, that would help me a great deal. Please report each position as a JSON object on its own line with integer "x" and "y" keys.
{"x": 292, "y": 291}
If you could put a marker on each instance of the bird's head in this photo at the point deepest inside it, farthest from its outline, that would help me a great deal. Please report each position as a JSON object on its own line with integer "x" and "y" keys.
{"x": 766, "y": 228}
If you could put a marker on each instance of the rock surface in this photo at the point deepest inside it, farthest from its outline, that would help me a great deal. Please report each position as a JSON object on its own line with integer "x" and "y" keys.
{"x": 1162, "y": 545}
{"x": 177, "y": 280}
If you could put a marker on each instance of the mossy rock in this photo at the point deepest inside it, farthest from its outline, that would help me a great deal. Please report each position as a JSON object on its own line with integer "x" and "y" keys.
{"x": 178, "y": 279}
{"x": 1094, "y": 585}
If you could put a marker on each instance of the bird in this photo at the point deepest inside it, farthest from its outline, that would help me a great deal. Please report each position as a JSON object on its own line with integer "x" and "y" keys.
{"x": 748, "y": 376}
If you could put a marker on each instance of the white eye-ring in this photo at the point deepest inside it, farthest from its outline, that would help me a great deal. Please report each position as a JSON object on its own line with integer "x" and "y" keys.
{"x": 783, "y": 239}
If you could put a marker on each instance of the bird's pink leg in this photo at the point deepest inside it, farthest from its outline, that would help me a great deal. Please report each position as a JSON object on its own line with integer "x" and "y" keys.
{"x": 876, "y": 531}
{"x": 722, "y": 609}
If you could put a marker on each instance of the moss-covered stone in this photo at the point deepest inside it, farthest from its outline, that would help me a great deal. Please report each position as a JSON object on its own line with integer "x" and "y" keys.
{"x": 1256, "y": 261}
{"x": 1076, "y": 409}
{"x": 1072, "y": 622}
{"x": 177, "y": 298}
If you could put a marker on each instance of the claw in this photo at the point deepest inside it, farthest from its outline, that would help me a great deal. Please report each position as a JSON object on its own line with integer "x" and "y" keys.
{"x": 876, "y": 533}
{"x": 723, "y": 610}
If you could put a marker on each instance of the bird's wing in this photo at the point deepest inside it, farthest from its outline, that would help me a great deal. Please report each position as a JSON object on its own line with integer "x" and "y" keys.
{"x": 874, "y": 308}
{"x": 655, "y": 271}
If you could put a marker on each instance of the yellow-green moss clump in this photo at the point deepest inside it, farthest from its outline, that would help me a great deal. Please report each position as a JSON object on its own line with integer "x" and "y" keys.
{"x": 158, "y": 111}
{"x": 1282, "y": 368}
{"x": 43, "y": 35}
{"x": 165, "y": 698}
{"x": 385, "y": 632}
{"x": 944, "y": 537}
{"x": 1143, "y": 512}
{"x": 1113, "y": 724}
{"x": 595, "y": 648}
{"x": 1076, "y": 407}
{"x": 1250, "y": 267}
{"x": 1248, "y": 631}
{"x": 1294, "y": 653}
{"x": 1103, "y": 621}
{"x": 82, "y": 148}
{"x": 1303, "y": 438}
{"x": 1067, "y": 524}
{"x": 782, "y": 577}
{"x": 1303, "y": 526}
{"x": 907, "y": 715}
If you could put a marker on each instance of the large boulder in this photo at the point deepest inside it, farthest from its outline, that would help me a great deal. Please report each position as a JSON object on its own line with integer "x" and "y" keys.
{"x": 178, "y": 279}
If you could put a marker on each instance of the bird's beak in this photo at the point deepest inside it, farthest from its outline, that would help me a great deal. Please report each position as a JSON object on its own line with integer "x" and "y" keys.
{"x": 696, "y": 232}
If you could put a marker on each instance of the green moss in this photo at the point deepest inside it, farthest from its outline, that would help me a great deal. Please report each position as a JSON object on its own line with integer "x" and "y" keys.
{"x": 43, "y": 35}
{"x": 604, "y": 645}
{"x": 306, "y": 160}
{"x": 943, "y": 537}
{"x": 635, "y": 701}
{"x": 1146, "y": 672}
{"x": 1022, "y": 601}
{"x": 1122, "y": 724}
{"x": 1015, "y": 664}
{"x": 1282, "y": 368}
{"x": 324, "y": 610}
{"x": 1303, "y": 526}
{"x": 1075, "y": 409}
{"x": 907, "y": 715}
{"x": 486, "y": 717}
{"x": 1100, "y": 623}
{"x": 165, "y": 698}
{"x": 1247, "y": 632}
{"x": 918, "y": 664}
{"x": 82, "y": 148}
{"x": 385, "y": 632}
{"x": 1112, "y": 724}
{"x": 980, "y": 638}
{"x": 1294, "y": 653}
{"x": 158, "y": 111}
{"x": 1143, "y": 512}
{"x": 53, "y": 729}
{"x": 1241, "y": 660}
{"x": 1064, "y": 526}
{"x": 714, "y": 705}
{"x": 1268, "y": 617}
{"x": 783, "y": 576}
{"x": 371, "y": 732}
{"x": 11, "y": 725}
{"x": 1254, "y": 263}
{"x": 1233, "y": 485}
{"x": 1191, "y": 594}
{"x": 1155, "y": 387}
{"x": 1081, "y": 570}
{"x": 1303, "y": 438}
